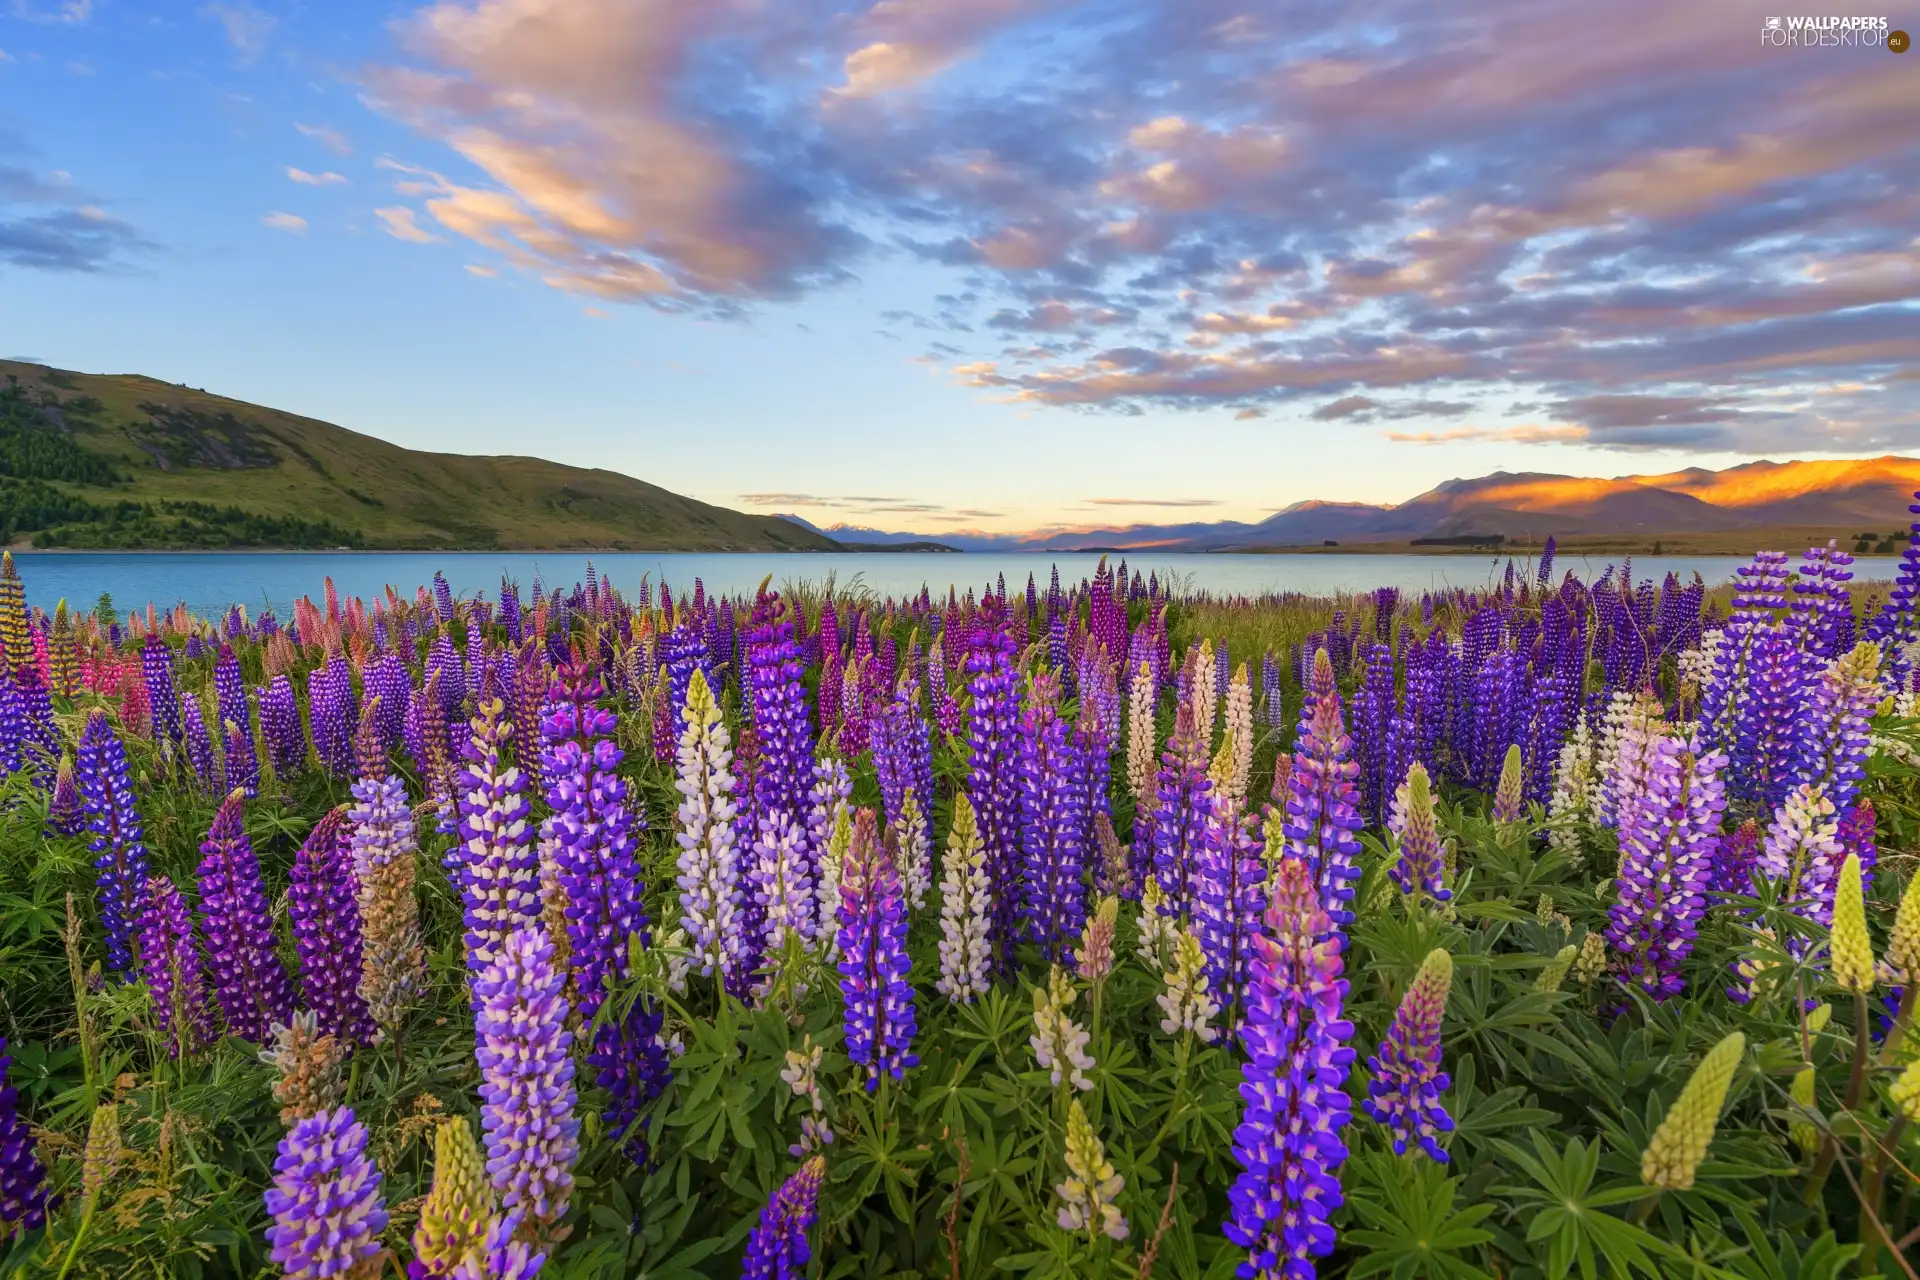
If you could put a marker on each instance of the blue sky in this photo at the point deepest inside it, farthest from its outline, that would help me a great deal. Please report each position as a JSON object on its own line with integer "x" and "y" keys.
{"x": 939, "y": 264}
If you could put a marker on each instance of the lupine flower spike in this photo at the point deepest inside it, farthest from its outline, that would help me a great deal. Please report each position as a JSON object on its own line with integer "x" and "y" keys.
{"x": 1092, "y": 1187}
{"x": 325, "y": 1201}
{"x": 778, "y": 1248}
{"x": 1404, "y": 1092}
{"x": 1674, "y": 1153}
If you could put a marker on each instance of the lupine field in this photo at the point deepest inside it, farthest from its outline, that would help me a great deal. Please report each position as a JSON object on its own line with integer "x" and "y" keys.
{"x": 1094, "y": 929}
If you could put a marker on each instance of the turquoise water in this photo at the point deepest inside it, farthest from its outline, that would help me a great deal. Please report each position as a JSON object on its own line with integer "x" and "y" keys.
{"x": 208, "y": 582}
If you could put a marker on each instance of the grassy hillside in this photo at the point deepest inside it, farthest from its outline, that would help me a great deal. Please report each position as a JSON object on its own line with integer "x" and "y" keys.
{"x": 126, "y": 461}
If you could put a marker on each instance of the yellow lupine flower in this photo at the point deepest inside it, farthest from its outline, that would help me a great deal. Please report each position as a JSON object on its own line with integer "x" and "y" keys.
{"x": 1680, "y": 1143}
{"x": 1850, "y": 948}
{"x": 1906, "y": 1092}
{"x": 457, "y": 1211}
{"x": 1804, "y": 1135}
{"x": 1556, "y": 971}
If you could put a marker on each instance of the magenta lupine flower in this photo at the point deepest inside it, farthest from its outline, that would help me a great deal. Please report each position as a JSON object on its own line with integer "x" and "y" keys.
{"x": 322, "y": 901}
{"x": 118, "y": 845}
{"x": 1666, "y": 865}
{"x": 1406, "y": 1082}
{"x": 499, "y": 871}
{"x": 1293, "y": 1085}
{"x": 23, "y": 1190}
{"x": 280, "y": 726}
{"x": 325, "y": 1199}
{"x": 526, "y": 1076}
{"x": 778, "y": 1248}
{"x": 237, "y": 921}
{"x": 1229, "y": 896}
{"x": 163, "y": 696}
{"x": 992, "y": 742}
{"x": 1182, "y": 814}
{"x": 1322, "y": 817}
{"x": 170, "y": 962}
{"x": 873, "y": 958}
{"x": 1053, "y": 822}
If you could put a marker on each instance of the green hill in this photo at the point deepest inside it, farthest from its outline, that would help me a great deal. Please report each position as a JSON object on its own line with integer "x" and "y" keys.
{"x": 95, "y": 460}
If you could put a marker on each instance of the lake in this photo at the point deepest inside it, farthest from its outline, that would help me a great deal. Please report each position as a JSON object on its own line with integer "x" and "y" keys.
{"x": 207, "y": 582}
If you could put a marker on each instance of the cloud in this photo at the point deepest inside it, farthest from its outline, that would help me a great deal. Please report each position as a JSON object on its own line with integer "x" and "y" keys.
{"x": 1154, "y": 502}
{"x": 280, "y": 221}
{"x": 49, "y": 224}
{"x": 398, "y": 222}
{"x": 66, "y": 11}
{"x": 327, "y": 179}
{"x": 332, "y": 139}
{"x": 474, "y": 268}
{"x": 1545, "y": 433}
{"x": 247, "y": 29}
{"x": 1370, "y": 215}
{"x": 6, "y": 57}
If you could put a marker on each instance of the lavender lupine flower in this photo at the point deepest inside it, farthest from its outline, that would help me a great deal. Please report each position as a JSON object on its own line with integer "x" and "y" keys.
{"x": 526, "y": 1076}
{"x": 778, "y": 1249}
{"x": 782, "y": 885}
{"x": 778, "y": 694}
{"x": 280, "y": 726}
{"x": 23, "y": 1191}
{"x": 710, "y": 896}
{"x": 1182, "y": 812}
{"x": 1287, "y": 1142}
{"x": 198, "y": 743}
{"x": 230, "y": 692}
{"x": 325, "y": 1199}
{"x": 66, "y": 811}
{"x": 873, "y": 958}
{"x": 1666, "y": 865}
{"x": 326, "y": 931}
{"x": 498, "y": 869}
{"x": 1802, "y": 850}
{"x": 1832, "y": 734}
{"x": 393, "y": 960}
{"x": 170, "y": 962}
{"x": 1053, "y": 822}
{"x": 1321, "y": 813}
{"x": 992, "y": 741}
{"x": 1422, "y": 864}
{"x": 163, "y": 696}
{"x": 237, "y": 920}
{"x": 1404, "y": 1092}
{"x": 1229, "y": 895}
{"x": 118, "y": 845}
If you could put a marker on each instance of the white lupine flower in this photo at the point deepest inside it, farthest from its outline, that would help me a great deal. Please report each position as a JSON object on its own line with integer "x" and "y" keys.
{"x": 916, "y": 872}
{"x": 783, "y": 883}
{"x": 1636, "y": 740}
{"x": 1574, "y": 787}
{"x": 965, "y": 905}
{"x": 827, "y": 892}
{"x": 1059, "y": 1043}
{"x": 1158, "y": 931}
{"x": 1142, "y": 775}
{"x": 709, "y": 868}
{"x": 1240, "y": 729}
{"x": 1205, "y": 692}
{"x": 1185, "y": 1001}
{"x": 1092, "y": 1186}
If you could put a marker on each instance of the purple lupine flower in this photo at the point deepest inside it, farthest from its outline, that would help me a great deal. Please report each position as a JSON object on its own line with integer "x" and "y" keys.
{"x": 325, "y": 1199}
{"x": 1897, "y": 625}
{"x": 386, "y": 678}
{"x": 873, "y": 958}
{"x": 280, "y": 726}
{"x": 1760, "y": 592}
{"x": 40, "y": 736}
{"x": 118, "y": 845}
{"x": 170, "y": 962}
{"x": 777, "y": 691}
{"x": 66, "y": 811}
{"x": 1372, "y": 711}
{"x": 1831, "y": 738}
{"x": 1053, "y": 822}
{"x": 1229, "y": 894}
{"x": 992, "y": 742}
{"x": 778, "y": 1249}
{"x": 323, "y": 904}
{"x": 1666, "y": 865}
{"x": 1321, "y": 813}
{"x": 23, "y": 1179}
{"x": 237, "y": 920}
{"x": 1421, "y": 866}
{"x": 230, "y": 693}
{"x": 163, "y": 696}
{"x": 596, "y": 838}
{"x": 1182, "y": 811}
{"x": 1766, "y": 731}
{"x": 510, "y": 610}
{"x": 1404, "y": 1091}
{"x": 1545, "y": 574}
{"x": 199, "y": 743}
{"x": 1293, "y": 1083}
{"x": 1735, "y": 858}
{"x": 333, "y": 712}
{"x": 526, "y": 1076}
{"x": 442, "y": 597}
{"x": 1821, "y": 617}
{"x": 498, "y": 870}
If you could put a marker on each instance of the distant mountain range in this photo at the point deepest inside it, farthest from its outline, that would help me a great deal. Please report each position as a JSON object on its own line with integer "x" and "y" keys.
{"x": 120, "y": 460}
{"x": 1856, "y": 496}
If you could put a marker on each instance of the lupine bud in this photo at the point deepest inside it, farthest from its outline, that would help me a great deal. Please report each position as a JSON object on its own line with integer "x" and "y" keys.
{"x": 1404, "y": 1094}
{"x": 1850, "y": 948}
{"x": 1094, "y": 956}
{"x": 1507, "y": 793}
{"x": 1905, "y": 1092}
{"x": 325, "y": 1200}
{"x": 1092, "y": 1188}
{"x": 1556, "y": 971}
{"x": 457, "y": 1211}
{"x": 1903, "y": 944}
{"x": 1420, "y": 867}
{"x": 307, "y": 1066}
{"x": 1800, "y": 1129}
{"x": 1677, "y": 1147}
{"x": 102, "y": 1151}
